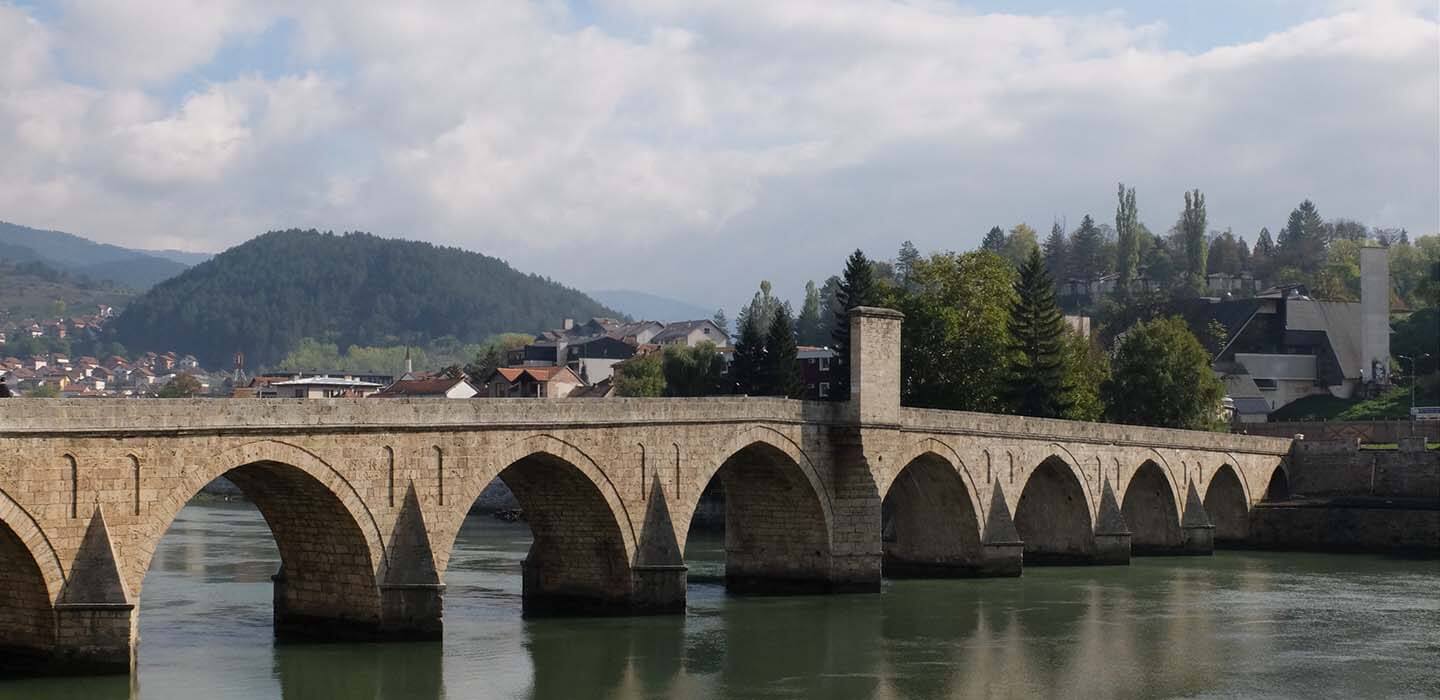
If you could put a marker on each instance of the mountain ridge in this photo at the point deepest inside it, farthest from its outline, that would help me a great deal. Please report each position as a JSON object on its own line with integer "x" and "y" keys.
{"x": 127, "y": 267}
{"x": 265, "y": 295}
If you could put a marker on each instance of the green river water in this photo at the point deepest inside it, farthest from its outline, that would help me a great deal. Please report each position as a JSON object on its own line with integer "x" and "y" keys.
{"x": 1236, "y": 625}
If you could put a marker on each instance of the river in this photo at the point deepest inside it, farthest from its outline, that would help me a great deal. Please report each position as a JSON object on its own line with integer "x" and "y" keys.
{"x": 1236, "y": 625}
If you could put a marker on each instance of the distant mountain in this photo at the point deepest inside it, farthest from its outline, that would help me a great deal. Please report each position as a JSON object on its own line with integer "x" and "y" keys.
{"x": 184, "y": 257}
{"x": 263, "y": 296}
{"x": 136, "y": 269}
{"x": 651, "y": 307}
{"x": 31, "y": 289}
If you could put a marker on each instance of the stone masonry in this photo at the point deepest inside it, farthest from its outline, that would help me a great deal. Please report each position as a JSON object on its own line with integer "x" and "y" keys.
{"x": 365, "y": 499}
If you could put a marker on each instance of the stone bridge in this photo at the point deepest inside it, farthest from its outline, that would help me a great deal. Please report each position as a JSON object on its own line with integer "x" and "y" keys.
{"x": 365, "y": 499}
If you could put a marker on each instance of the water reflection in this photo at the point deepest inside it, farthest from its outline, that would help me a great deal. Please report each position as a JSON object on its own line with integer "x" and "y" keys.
{"x": 1232, "y": 625}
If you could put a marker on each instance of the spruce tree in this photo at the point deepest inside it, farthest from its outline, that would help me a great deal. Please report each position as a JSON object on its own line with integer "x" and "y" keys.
{"x": 994, "y": 240}
{"x": 1037, "y": 365}
{"x": 1301, "y": 244}
{"x": 723, "y": 323}
{"x": 810, "y": 327}
{"x": 1057, "y": 251}
{"x": 1087, "y": 246}
{"x": 905, "y": 263}
{"x": 857, "y": 288}
{"x": 746, "y": 367}
{"x": 779, "y": 371}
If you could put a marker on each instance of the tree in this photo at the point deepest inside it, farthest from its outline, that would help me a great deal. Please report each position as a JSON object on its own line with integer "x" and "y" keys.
{"x": 1127, "y": 236}
{"x": 1161, "y": 376}
{"x": 954, "y": 343}
{"x": 183, "y": 386}
{"x": 857, "y": 287}
{"x": 1087, "y": 251}
{"x": 1339, "y": 279}
{"x": 761, "y": 307}
{"x": 1192, "y": 232}
{"x": 1057, "y": 249}
{"x": 1262, "y": 257}
{"x": 1226, "y": 254}
{"x": 44, "y": 391}
{"x": 693, "y": 371}
{"x": 904, "y": 262}
{"x": 1037, "y": 371}
{"x": 1086, "y": 369}
{"x": 779, "y": 371}
{"x": 1301, "y": 244}
{"x": 746, "y": 365}
{"x": 1160, "y": 262}
{"x": 811, "y": 326}
{"x": 1413, "y": 268}
{"x": 641, "y": 375}
{"x": 1019, "y": 244}
{"x": 994, "y": 240}
{"x": 720, "y": 321}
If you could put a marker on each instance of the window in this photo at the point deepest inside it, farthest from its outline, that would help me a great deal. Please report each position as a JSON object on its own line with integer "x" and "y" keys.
{"x": 824, "y": 364}
{"x": 824, "y": 390}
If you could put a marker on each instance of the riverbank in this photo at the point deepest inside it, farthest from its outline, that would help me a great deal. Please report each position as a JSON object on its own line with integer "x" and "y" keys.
{"x": 1353, "y": 524}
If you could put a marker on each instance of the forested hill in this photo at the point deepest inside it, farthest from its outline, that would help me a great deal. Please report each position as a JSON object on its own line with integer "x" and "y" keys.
{"x": 264, "y": 296}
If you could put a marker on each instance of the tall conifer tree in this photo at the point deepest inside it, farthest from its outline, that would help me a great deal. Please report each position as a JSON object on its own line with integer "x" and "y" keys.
{"x": 1037, "y": 365}
{"x": 747, "y": 366}
{"x": 857, "y": 288}
{"x": 779, "y": 371}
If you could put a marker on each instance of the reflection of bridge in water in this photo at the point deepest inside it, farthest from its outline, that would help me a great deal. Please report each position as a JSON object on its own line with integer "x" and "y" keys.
{"x": 365, "y": 498}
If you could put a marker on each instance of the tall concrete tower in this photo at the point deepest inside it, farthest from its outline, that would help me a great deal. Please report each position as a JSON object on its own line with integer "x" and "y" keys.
{"x": 1375, "y": 312}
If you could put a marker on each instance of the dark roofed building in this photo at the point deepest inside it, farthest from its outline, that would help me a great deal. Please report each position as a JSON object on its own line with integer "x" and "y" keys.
{"x": 441, "y": 387}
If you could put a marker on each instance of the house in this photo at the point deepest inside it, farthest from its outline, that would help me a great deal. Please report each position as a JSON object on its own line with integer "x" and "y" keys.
{"x": 602, "y": 389}
{"x": 816, "y": 371}
{"x": 322, "y": 388}
{"x": 691, "y": 333}
{"x": 441, "y": 387}
{"x": 1222, "y": 283}
{"x": 1289, "y": 345}
{"x": 594, "y": 359}
{"x": 531, "y": 382}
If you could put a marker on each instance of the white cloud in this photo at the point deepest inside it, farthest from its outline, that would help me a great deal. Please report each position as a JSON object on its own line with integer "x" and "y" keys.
{"x": 147, "y": 41}
{"x": 670, "y": 130}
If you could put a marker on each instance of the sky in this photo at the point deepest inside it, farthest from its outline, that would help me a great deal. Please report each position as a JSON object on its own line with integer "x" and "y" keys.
{"x": 693, "y": 148}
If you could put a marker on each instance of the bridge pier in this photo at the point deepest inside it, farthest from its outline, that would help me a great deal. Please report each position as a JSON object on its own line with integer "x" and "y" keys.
{"x": 1199, "y": 530}
{"x": 1112, "y": 533}
{"x": 93, "y": 639}
{"x": 649, "y": 590}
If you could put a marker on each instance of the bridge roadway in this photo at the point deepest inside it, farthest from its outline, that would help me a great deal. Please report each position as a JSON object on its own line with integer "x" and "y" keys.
{"x": 365, "y": 498}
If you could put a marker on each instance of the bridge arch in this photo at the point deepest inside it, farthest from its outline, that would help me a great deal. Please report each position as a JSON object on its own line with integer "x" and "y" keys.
{"x": 1151, "y": 507}
{"x": 931, "y": 515}
{"x": 778, "y": 514}
{"x": 1054, "y": 516}
{"x": 1278, "y": 485}
{"x": 31, "y": 578}
{"x": 583, "y": 541}
{"x": 331, "y": 551}
{"x": 1228, "y": 505}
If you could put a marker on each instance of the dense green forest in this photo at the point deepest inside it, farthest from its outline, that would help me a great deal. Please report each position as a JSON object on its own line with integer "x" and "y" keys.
{"x": 264, "y": 296}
